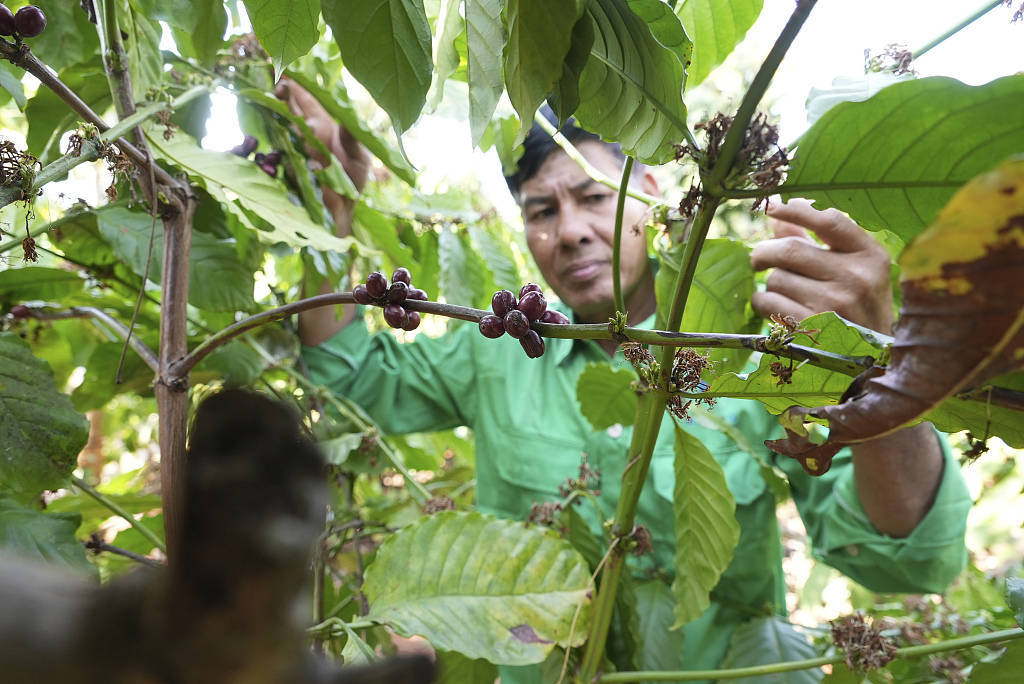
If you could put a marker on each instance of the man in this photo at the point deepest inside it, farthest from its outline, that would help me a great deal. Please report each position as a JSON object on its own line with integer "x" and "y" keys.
{"x": 891, "y": 513}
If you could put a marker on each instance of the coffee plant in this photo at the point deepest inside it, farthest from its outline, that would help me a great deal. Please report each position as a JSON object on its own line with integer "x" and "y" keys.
{"x": 186, "y": 275}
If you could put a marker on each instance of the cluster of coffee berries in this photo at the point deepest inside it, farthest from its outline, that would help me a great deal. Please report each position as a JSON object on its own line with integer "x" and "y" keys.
{"x": 391, "y": 297}
{"x": 29, "y": 22}
{"x": 514, "y": 317}
{"x": 266, "y": 161}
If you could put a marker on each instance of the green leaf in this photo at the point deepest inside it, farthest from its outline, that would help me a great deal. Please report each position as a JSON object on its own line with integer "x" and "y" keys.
{"x": 462, "y": 278}
{"x": 385, "y": 44}
{"x": 662, "y": 646}
{"x": 1006, "y": 670}
{"x": 180, "y": 14}
{"x": 287, "y": 29}
{"x": 606, "y": 396}
{"x": 894, "y": 160}
{"x": 46, "y": 537}
{"x": 232, "y": 289}
{"x": 236, "y": 364}
{"x": 811, "y": 385}
{"x": 706, "y": 527}
{"x": 10, "y": 80}
{"x": 484, "y": 30}
{"x": 278, "y": 220}
{"x": 539, "y": 36}
{"x": 716, "y": 27}
{"x": 40, "y": 433}
{"x": 211, "y": 21}
{"x": 631, "y": 88}
{"x": 38, "y": 282}
{"x": 513, "y": 590}
{"x": 142, "y": 49}
{"x": 1015, "y": 598}
{"x": 496, "y": 254}
{"x": 446, "y": 55}
{"x": 719, "y": 299}
{"x": 565, "y": 97}
{"x": 455, "y": 668}
{"x": 70, "y": 40}
{"x": 100, "y": 383}
{"x": 767, "y": 640}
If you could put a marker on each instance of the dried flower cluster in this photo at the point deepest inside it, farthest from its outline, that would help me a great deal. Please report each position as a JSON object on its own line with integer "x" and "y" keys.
{"x": 865, "y": 647}
{"x": 894, "y": 57}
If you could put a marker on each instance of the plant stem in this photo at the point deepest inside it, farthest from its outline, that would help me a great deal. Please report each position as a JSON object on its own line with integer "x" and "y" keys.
{"x": 964, "y": 23}
{"x": 714, "y": 181}
{"x": 799, "y": 188}
{"x": 140, "y": 347}
{"x": 589, "y": 168}
{"x": 113, "y": 506}
{"x": 760, "y": 670}
{"x": 627, "y": 171}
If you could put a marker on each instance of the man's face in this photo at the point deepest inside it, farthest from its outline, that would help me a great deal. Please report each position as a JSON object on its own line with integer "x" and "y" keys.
{"x": 570, "y": 223}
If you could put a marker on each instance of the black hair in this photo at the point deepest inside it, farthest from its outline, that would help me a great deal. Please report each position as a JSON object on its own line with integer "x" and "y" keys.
{"x": 538, "y": 146}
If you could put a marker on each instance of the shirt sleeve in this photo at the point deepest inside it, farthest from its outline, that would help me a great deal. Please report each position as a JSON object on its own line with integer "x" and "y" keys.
{"x": 419, "y": 386}
{"x": 842, "y": 535}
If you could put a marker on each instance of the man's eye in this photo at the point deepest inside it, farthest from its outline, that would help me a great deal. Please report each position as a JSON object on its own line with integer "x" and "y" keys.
{"x": 596, "y": 198}
{"x": 541, "y": 214}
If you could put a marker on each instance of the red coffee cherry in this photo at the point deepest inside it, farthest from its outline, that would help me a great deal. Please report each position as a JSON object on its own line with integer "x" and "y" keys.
{"x": 516, "y": 323}
{"x": 402, "y": 275}
{"x": 30, "y": 21}
{"x": 532, "y": 344}
{"x": 492, "y": 327}
{"x": 502, "y": 302}
{"x": 376, "y": 284}
{"x": 7, "y": 26}
{"x": 533, "y": 305}
{"x": 361, "y": 295}
{"x": 529, "y": 287}
{"x": 556, "y": 317}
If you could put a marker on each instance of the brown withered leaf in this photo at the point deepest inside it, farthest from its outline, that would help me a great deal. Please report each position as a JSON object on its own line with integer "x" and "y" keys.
{"x": 961, "y": 323}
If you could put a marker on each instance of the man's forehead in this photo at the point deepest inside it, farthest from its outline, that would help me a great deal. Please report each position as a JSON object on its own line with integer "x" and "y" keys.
{"x": 546, "y": 193}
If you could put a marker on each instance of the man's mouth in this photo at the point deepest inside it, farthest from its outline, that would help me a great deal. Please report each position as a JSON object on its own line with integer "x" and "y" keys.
{"x": 583, "y": 270}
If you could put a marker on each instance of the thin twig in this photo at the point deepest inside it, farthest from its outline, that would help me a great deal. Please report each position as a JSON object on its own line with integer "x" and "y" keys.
{"x": 128, "y": 517}
{"x": 962, "y": 24}
{"x": 97, "y": 545}
{"x": 620, "y": 206}
{"x": 140, "y": 347}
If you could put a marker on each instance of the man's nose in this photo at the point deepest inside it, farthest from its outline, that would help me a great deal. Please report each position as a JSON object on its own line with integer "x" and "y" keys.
{"x": 574, "y": 226}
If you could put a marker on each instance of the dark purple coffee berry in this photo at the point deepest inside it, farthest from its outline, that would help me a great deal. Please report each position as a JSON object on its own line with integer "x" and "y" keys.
{"x": 502, "y": 302}
{"x": 492, "y": 327}
{"x": 376, "y": 284}
{"x": 411, "y": 320}
{"x": 529, "y": 287}
{"x": 20, "y": 310}
{"x": 394, "y": 315}
{"x": 7, "y": 27}
{"x": 30, "y": 21}
{"x": 269, "y": 169}
{"x": 402, "y": 275}
{"x": 417, "y": 293}
{"x": 516, "y": 323}
{"x": 249, "y": 144}
{"x": 533, "y": 305}
{"x": 398, "y": 292}
{"x": 361, "y": 295}
{"x": 532, "y": 343}
{"x": 260, "y": 158}
{"x": 556, "y": 317}
{"x": 272, "y": 158}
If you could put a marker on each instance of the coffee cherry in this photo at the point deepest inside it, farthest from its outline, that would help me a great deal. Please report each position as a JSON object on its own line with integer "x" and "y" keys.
{"x": 269, "y": 169}
{"x": 246, "y": 147}
{"x": 516, "y": 323}
{"x": 402, "y": 275}
{"x": 556, "y": 317}
{"x": 398, "y": 292}
{"x": 30, "y": 21}
{"x": 532, "y": 344}
{"x": 418, "y": 294}
{"x": 7, "y": 27}
{"x": 272, "y": 158}
{"x": 20, "y": 311}
{"x": 376, "y": 284}
{"x": 533, "y": 305}
{"x": 259, "y": 158}
{"x": 361, "y": 295}
{"x": 411, "y": 320}
{"x": 529, "y": 287}
{"x": 492, "y": 327}
{"x": 502, "y": 302}
{"x": 394, "y": 315}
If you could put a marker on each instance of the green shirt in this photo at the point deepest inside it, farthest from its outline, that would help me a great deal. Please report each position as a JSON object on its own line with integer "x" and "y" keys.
{"x": 530, "y": 437}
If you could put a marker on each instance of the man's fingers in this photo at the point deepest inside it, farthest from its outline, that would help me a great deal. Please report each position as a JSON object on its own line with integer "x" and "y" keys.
{"x": 768, "y": 303}
{"x": 787, "y": 229}
{"x": 832, "y": 226}
{"x": 796, "y": 254}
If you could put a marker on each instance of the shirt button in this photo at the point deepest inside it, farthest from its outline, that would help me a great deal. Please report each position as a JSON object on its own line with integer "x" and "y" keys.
{"x": 615, "y": 431}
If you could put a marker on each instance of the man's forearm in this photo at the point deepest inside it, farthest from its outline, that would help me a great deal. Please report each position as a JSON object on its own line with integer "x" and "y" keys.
{"x": 898, "y": 477}
{"x": 318, "y": 325}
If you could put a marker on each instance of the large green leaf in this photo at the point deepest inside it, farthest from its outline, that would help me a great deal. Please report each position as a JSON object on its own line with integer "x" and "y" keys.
{"x": 180, "y": 14}
{"x": 385, "y": 44}
{"x": 232, "y": 288}
{"x": 894, "y": 160}
{"x": 40, "y": 434}
{"x": 1015, "y": 598}
{"x": 70, "y": 40}
{"x": 267, "y": 208}
{"x": 496, "y": 254}
{"x": 514, "y": 591}
{"x": 539, "y": 36}
{"x": 38, "y": 282}
{"x": 631, "y": 88}
{"x": 455, "y": 668}
{"x": 719, "y": 299}
{"x": 10, "y": 81}
{"x": 484, "y": 31}
{"x": 767, "y": 640}
{"x": 202, "y": 43}
{"x": 981, "y": 417}
{"x": 565, "y": 97}
{"x": 46, "y": 537}
{"x": 715, "y": 26}
{"x": 606, "y": 396}
{"x": 811, "y": 385}
{"x": 1006, "y": 670}
{"x": 286, "y": 29}
{"x": 142, "y": 50}
{"x": 446, "y": 55}
{"x": 706, "y": 527}
{"x": 463, "y": 277}
{"x": 100, "y": 383}
{"x": 662, "y": 646}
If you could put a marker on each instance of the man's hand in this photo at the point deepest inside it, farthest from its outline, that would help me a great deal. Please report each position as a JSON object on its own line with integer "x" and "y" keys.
{"x": 849, "y": 275}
